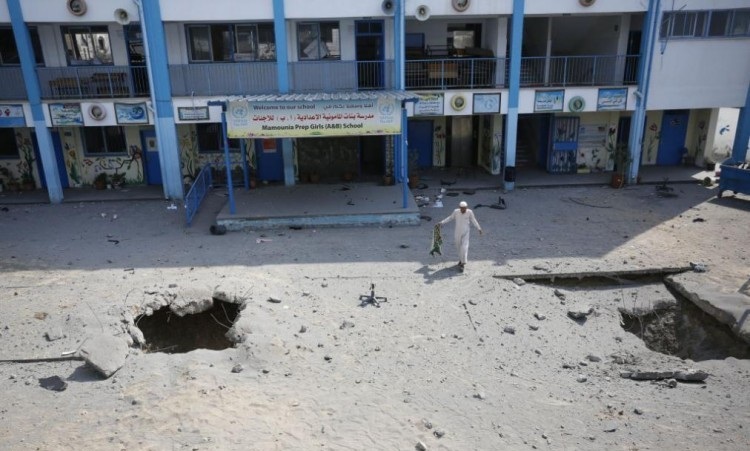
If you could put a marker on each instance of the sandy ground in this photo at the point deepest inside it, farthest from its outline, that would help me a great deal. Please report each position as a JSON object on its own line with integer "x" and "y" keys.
{"x": 435, "y": 364}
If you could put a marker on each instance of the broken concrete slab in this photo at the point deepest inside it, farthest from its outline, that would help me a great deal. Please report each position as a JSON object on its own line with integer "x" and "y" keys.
{"x": 690, "y": 375}
{"x": 727, "y": 305}
{"x": 646, "y": 299}
{"x": 191, "y": 302}
{"x": 105, "y": 353}
{"x": 580, "y": 312}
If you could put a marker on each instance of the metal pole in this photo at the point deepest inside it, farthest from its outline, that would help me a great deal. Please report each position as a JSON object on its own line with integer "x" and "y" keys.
{"x": 227, "y": 161}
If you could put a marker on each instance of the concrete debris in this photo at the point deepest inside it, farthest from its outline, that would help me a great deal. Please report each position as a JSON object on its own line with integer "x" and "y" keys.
{"x": 274, "y": 300}
{"x": 624, "y": 358}
{"x": 610, "y": 427}
{"x": 54, "y": 335}
{"x": 346, "y": 325}
{"x": 105, "y": 353}
{"x": 509, "y": 330}
{"x": 136, "y": 334}
{"x": 191, "y": 305}
{"x": 542, "y": 267}
{"x": 681, "y": 375}
{"x": 519, "y": 281}
{"x": 238, "y": 368}
{"x": 560, "y": 294}
{"x": 581, "y": 378}
{"x": 54, "y": 383}
{"x": 420, "y": 446}
{"x": 593, "y": 358}
{"x": 580, "y": 312}
{"x": 539, "y": 316}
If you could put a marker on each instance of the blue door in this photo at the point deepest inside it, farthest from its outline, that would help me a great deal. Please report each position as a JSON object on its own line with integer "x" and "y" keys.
{"x": 270, "y": 160}
{"x": 419, "y": 141}
{"x": 151, "y": 157}
{"x": 672, "y": 139}
{"x": 62, "y": 170}
{"x": 563, "y": 156}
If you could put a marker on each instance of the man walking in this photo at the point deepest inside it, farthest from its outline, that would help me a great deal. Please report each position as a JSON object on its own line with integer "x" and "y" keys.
{"x": 464, "y": 219}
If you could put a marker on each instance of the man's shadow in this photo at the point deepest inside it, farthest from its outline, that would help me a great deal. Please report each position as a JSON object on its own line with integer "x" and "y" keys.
{"x": 440, "y": 274}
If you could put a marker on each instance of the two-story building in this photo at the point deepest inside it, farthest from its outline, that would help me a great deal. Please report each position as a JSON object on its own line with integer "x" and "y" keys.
{"x": 132, "y": 88}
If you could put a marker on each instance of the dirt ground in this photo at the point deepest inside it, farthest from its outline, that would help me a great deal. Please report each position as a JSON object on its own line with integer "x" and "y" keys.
{"x": 456, "y": 361}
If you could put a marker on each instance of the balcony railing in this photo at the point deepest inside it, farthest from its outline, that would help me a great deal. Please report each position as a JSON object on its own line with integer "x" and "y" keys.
{"x": 615, "y": 70}
{"x": 215, "y": 79}
{"x": 12, "y": 86}
{"x": 86, "y": 82}
{"x": 305, "y": 76}
{"x": 224, "y": 79}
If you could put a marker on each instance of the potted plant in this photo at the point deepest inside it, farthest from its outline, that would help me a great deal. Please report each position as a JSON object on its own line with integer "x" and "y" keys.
{"x": 9, "y": 180}
{"x": 100, "y": 181}
{"x": 118, "y": 180}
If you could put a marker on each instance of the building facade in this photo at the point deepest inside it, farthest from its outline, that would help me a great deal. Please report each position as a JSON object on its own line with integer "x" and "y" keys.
{"x": 133, "y": 88}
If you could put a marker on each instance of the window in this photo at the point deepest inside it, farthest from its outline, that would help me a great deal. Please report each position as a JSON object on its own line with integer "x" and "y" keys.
{"x": 210, "y": 139}
{"x": 227, "y": 43}
{"x": 104, "y": 140}
{"x": 717, "y": 23}
{"x": 8, "y": 144}
{"x": 87, "y": 45}
{"x": 9, "y": 51}
{"x": 319, "y": 40}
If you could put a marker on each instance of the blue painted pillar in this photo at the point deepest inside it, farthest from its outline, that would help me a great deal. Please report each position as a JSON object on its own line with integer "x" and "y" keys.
{"x": 400, "y": 145}
{"x": 227, "y": 159}
{"x": 161, "y": 96}
{"x": 28, "y": 68}
{"x": 514, "y": 87}
{"x": 637, "y": 124}
{"x": 742, "y": 135}
{"x": 282, "y": 64}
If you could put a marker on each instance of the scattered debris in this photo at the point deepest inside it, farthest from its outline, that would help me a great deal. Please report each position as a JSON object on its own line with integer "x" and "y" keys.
{"x": 698, "y": 267}
{"x": 580, "y": 313}
{"x": 691, "y": 375}
{"x": 218, "y": 229}
{"x": 54, "y": 383}
{"x": 274, "y": 300}
{"x": 346, "y": 325}
{"x": 365, "y": 300}
{"x": 238, "y": 368}
{"x": 263, "y": 240}
{"x": 509, "y": 330}
{"x": 539, "y": 316}
{"x": 105, "y": 353}
{"x": 518, "y": 281}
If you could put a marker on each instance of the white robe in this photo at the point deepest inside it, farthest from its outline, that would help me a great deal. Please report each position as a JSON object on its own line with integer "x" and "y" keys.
{"x": 461, "y": 235}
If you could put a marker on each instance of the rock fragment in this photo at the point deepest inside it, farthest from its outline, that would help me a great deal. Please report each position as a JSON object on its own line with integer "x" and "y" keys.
{"x": 105, "y": 353}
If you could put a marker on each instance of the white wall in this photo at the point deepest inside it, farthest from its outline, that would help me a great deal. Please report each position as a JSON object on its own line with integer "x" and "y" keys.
{"x": 700, "y": 73}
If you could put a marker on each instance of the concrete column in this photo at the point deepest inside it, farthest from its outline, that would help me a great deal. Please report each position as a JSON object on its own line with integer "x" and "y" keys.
{"x": 28, "y": 69}
{"x": 161, "y": 97}
{"x": 638, "y": 123}
{"x": 282, "y": 66}
{"x": 514, "y": 87}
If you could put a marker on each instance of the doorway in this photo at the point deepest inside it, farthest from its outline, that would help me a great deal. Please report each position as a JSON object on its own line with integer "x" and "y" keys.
{"x": 672, "y": 139}
{"x": 461, "y": 150}
{"x": 139, "y": 84}
{"x": 419, "y": 140}
{"x": 372, "y": 155}
{"x": 270, "y": 160}
{"x": 151, "y": 164}
{"x": 370, "y": 54}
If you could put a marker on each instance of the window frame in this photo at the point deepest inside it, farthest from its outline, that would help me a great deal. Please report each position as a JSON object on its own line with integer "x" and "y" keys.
{"x": 333, "y": 27}
{"x": 13, "y": 140}
{"x": 36, "y": 45}
{"x": 234, "y": 143}
{"x": 703, "y": 24}
{"x": 214, "y": 29}
{"x": 68, "y": 38}
{"x": 104, "y": 137}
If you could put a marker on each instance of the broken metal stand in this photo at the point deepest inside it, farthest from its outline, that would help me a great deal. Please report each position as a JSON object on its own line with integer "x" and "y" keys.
{"x": 365, "y": 300}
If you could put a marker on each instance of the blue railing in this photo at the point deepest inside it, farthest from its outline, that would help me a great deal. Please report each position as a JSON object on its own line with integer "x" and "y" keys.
{"x": 447, "y": 73}
{"x": 85, "y": 82}
{"x": 615, "y": 70}
{"x": 197, "y": 193}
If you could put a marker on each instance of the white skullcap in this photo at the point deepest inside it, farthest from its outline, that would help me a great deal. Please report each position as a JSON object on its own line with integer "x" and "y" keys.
{"x": 463, "y": 204}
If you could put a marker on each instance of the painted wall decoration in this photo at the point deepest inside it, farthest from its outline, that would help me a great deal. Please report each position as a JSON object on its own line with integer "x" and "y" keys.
{"x": 438, "y": 142}
{"x": 65, "y": 114}
{"x": 114, "y": 165}
{"x": 651, "y": 142}
{"x": 612, "y": 99}
{"x": 549, "y": 100}
{"x": 11, "y": 115}
{"x": 131, "y": 113}
{"x": 429, "y": 104}
{"x": 380, "y": 116}
{"x": 592, "y": 145}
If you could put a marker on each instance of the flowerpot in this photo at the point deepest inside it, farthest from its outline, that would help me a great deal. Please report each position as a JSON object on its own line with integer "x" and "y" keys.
{"x": 100, "y": 185}
{"x": 13, "y": 186}
{"x": 387, "y": 180}
{"x": 618, "y": 180}
{"x": 413, "y": 181}
{"x": 28, "y": 186}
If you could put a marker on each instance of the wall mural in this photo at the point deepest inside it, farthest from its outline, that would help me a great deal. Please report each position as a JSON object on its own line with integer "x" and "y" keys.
{"x": 113, "y": 165}
{"x": 72, "y": 163}
{"x": 651, "y": 143}
{"x": 438, "y": 143}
